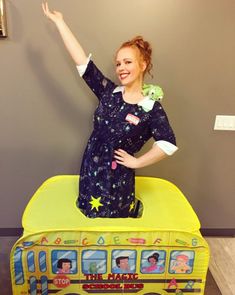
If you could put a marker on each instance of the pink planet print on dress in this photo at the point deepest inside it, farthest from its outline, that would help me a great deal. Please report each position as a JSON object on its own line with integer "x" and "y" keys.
{"x": 114, "y": 165}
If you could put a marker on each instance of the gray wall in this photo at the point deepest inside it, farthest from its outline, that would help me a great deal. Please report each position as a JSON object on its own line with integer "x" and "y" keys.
{"x": 46, "y": 110}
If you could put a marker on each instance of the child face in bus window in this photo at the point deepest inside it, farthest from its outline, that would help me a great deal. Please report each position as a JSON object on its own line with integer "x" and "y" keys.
{"x": 181, "y": 264}
{"x": 152, "y": 261}
{"x": 124, "y": 264}
{"x": 66, "y": 267}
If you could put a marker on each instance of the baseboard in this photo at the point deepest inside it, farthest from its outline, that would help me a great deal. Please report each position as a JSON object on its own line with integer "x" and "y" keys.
{"x": 218, "y": 232}
{"x": 206, "y": 232}
{"x": 11, "y": 232}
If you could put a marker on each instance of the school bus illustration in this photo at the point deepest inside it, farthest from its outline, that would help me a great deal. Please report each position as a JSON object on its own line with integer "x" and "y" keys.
{"x": 63, "y": 252}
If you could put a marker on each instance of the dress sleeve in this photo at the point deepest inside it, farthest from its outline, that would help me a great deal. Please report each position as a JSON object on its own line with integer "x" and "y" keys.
{"x": 162, "y": 131}
{"x": 94, "y": 78}
{"x": 82, "y": 68}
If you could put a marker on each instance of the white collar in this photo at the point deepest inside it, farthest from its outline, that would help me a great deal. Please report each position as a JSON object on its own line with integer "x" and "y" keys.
{"x": 119, "y": 89}
{"x": 146, "y": 103}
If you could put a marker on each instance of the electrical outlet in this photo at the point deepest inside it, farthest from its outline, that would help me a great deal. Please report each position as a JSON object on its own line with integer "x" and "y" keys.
{"x": 224, "y": 123}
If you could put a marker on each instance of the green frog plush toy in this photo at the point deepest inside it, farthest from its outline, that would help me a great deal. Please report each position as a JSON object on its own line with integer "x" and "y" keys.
{"x": 154, "y": 92}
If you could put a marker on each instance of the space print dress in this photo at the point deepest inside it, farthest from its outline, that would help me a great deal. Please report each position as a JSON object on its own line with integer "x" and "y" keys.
{"x": 106, "y": 188}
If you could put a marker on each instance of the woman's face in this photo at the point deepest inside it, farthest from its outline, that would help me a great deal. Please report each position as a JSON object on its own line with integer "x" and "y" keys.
{"x": 129, "y": 66}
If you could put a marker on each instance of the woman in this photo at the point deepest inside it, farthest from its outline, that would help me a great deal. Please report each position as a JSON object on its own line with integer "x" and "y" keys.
{"x": 123, "y": 121}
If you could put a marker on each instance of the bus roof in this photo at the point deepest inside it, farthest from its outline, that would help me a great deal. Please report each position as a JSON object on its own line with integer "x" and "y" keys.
{"x": 53, "y": 207}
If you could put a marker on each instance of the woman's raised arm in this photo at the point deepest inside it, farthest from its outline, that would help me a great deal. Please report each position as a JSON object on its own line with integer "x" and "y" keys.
{"x": 71, "y": 43}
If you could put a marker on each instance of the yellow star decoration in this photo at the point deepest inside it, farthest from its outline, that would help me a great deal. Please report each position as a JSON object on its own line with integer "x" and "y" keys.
{"x": 95, "y": 203}
{"x": 132, "y": 206}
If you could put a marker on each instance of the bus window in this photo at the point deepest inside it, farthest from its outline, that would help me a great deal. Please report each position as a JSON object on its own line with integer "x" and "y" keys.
{"x": 27, "y": 244}
{"x": 64, "y": 261}
{"x": 42, "y": 261}
{"x": 30, "y": 261}
{"x": 123, "y": 261}
{"x": 44, "y": 285}
{"x": 33, "y": 286}
{"x": 94, "y": 261}
{"x": 18, "y": 268}
{"x": 181, "y": 261}
{"x": 153, "y": 261}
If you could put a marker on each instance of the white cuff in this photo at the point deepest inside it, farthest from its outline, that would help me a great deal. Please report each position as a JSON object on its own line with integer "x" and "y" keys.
{"x": 82, "y": 68}
{"x": 166, "y": 146}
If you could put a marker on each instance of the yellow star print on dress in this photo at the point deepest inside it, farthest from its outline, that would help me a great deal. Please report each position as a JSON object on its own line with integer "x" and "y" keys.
{"x": 132, "y": 205}
{"x": 95, "y": 203}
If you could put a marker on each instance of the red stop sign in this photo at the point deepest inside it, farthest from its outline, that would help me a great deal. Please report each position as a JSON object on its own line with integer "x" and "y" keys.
{"x": 61, "y": 281}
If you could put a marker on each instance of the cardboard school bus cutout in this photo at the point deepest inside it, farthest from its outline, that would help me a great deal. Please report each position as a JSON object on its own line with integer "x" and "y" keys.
{"x": 63, "y": 252}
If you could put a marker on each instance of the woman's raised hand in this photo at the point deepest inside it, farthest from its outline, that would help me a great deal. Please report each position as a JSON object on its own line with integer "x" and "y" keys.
{"x": 70, "y": 41}
{"x": 54, "y": 16}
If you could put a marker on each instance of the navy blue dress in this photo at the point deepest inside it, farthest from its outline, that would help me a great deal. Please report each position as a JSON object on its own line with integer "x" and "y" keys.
{"x": 107, "y": 189}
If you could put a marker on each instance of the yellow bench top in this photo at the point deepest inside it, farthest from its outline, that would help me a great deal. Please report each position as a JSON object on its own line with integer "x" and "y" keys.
{"x": 53, "y": 207}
